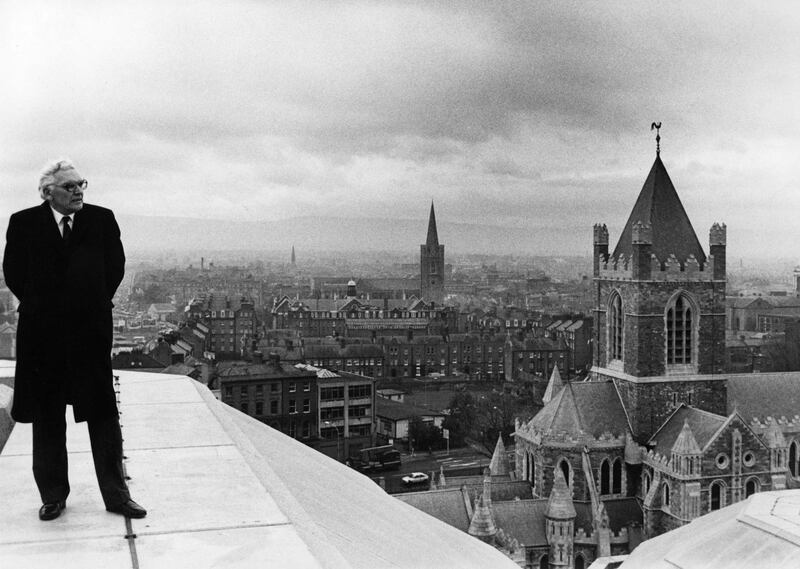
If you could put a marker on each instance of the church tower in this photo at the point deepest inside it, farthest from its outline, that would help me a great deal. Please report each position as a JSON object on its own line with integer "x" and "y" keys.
{"x": 659, "y": 322}
{"x": 431, "y": 264}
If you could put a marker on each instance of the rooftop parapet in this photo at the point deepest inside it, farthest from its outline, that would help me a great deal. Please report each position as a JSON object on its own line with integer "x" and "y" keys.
{"x": 600, "y": 234}
{"x": 717, "y": 235}
{"x": 671, "y": 269}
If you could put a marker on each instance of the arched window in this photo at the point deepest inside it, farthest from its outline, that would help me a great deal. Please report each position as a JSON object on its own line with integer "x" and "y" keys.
{"x": 716, "y": 496}
{"x": 679, "y": 324}
{"x": 646, "y": 484}
{"x": 615, "y": 327}
{"x": 564, "y": 465}
{"x": 794, "y": 467}
{"x": 750, "y": 487}
{"x": 605, "y": 478}
{"x": 580, "y": 563}
{"x": 544, "y": 562}
{"x": 665, "y": 496}
{"x": 616, "y": 477}
{"x": 531, "y": 474}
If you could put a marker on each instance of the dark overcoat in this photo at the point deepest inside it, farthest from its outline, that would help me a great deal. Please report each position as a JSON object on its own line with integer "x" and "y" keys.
{"x": 65, "y": 329}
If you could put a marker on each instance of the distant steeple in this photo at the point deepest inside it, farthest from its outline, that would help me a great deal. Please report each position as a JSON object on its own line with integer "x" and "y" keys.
{"x": 433, "y": 236}
{"x": 293, "y": 257}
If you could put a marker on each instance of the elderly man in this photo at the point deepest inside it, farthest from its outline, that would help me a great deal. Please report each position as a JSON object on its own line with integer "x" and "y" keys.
{"x": 64, "y": 261}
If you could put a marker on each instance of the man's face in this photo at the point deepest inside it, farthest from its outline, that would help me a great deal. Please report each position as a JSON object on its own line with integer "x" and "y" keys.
{"x": 60, "y": 199}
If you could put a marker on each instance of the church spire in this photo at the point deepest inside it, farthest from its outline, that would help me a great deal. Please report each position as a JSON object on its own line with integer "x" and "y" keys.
{"x": 433, "y": 236}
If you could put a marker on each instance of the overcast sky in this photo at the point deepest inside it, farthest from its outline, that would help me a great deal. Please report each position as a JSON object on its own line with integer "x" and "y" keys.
{"x": 531, "y": 114}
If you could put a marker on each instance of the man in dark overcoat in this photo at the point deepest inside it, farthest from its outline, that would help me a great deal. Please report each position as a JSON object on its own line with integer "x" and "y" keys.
{"x": 64, "y": 261}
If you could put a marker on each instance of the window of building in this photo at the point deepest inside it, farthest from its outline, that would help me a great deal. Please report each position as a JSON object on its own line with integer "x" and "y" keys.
{"x": 580, "y": 563}
{"x": 228, "y": 391}
{"x": 665, "y": 496}
{"x": 273, "y": 387}
{"x": 794, "y": 460}
{"x": 307, "y": 386}
{"x": 243, "y": 391}
{"x": 292, "y": 429}
{"x": 243, "y": 407}
{"x": 616, "y": 477}
{"x": 292, "y": 406}
{"x": 259, "y": 390}
{"x": 717, "y": 495}
{"x": 331, "y": 393}
{"x": 564, "y": 465}
{"x": 615, "y": 325}
{"x": 306, "y": 405}
{"x": 646, "y": 483}
{"x": 259, "y": 408}
{"x": 306, "y": 429}
{"x": 605, "y": 477}
{"x": 679, "y": 331}
{"x": 359, "y": 391}
{"x": 750, "y": 487}
{"x": 329, "y": 413}
{"x": 292, "y": 387}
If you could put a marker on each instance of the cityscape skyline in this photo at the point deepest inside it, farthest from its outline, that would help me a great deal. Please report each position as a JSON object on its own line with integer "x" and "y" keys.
{"x": 526, "y": 117}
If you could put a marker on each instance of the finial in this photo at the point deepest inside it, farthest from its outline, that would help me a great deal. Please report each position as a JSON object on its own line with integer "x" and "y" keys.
{"x": 657, "y": 126}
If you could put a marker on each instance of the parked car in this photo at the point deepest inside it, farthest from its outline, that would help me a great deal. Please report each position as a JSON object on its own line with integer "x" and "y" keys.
{"x": 415, "y": 478}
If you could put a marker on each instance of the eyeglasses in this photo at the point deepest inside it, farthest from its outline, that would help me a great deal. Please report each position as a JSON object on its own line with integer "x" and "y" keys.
{"x": 72, "y": 187}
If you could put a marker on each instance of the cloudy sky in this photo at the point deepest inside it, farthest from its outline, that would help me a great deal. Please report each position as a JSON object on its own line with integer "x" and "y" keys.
{"x": 526, "y": 114}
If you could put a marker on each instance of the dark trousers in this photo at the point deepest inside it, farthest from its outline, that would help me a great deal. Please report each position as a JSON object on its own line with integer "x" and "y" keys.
{"x": 50, "y": 457}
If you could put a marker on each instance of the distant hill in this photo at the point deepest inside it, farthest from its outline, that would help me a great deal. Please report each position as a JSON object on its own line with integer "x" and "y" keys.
{"x": 342, "y": 234}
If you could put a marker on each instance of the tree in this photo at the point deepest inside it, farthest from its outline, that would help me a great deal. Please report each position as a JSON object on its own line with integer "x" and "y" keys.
{"x": 462, "y": 418}
{"x": 424, "y": 435}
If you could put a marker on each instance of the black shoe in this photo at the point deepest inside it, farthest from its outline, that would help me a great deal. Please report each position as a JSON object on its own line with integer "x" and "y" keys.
{"x": 51, "y": 510}
{"x": 129, "y": 509}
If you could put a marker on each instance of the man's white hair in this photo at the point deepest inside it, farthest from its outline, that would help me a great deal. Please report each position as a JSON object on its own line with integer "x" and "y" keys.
{"x": 47, "y": 175}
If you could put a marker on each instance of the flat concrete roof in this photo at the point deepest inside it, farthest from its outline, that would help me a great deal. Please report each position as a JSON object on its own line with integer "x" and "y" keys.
{"x": 221, "y": 490}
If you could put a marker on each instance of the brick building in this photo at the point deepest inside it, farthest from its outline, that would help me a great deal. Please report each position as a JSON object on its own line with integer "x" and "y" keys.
{"x": 231, "y": 323}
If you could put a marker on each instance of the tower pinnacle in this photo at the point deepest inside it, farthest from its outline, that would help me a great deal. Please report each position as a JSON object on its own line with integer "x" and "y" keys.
{"x": 433, "y": 236}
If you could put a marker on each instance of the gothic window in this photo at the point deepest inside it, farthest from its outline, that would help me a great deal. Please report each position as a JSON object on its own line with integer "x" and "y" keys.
{"x": 716, "y": 496}
{"x": 615, "y": 327}
{"x": 531, "y": 469}
{"x": 580, "y": 563}
{"x": 750, "y": 487}
{"x": 616, "y": 477}
{"x": 794, "y": 464}
{"x": 544, "y": 562}
{"x": 665, "y": 497}
{"x": 605, "y": 478}
{"x": 564, "y": 465}
{"x": 679, "y": 321}
{"x": 646, "y": 483}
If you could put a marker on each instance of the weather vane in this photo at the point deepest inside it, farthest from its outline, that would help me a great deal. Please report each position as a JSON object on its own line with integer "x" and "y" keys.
{"x": 657, "y": 126}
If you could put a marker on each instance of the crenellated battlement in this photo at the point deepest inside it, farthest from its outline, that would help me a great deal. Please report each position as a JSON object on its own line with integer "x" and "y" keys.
{"x": 786, "y": 424}
{"x": 600, "y": 234}
{"x": 583, "y": 538}
{"x": 670, "y": 270}
{"x": 717, "y": 235}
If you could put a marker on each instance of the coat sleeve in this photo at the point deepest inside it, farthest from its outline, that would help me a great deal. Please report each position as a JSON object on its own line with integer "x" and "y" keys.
{"x": 114, "y": 256}
{"x": 14, "y": 260}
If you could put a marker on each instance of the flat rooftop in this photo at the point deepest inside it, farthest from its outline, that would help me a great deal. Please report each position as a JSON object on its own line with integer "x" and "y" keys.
{"x": 221, "y": 490}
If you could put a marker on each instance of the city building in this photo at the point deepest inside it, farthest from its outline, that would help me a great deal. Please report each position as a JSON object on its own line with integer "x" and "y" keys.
{"x": 230, "y": 320}
{"x": 274, "y": 392}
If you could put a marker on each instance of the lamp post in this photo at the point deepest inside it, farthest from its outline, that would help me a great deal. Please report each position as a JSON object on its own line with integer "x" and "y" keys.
{"x": 338, "y": 450}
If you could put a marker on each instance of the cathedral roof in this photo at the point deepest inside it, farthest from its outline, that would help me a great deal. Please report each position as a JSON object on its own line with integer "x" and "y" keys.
{"x": 499, "y": 466}
{"x": 703, "y": 426}
{"x": 433, "y": 237}
{"x": 758, "y": 396}
{"x": 553, "y": 386}
{"x": 583, "y": 408}
{"x": 686, "y": 443}
{"x": 559, "y": 505}
{"x": 660, "y": 207}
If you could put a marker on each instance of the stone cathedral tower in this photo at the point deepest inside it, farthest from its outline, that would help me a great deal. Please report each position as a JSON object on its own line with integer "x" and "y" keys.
{"x": 660, "y": 309}
{"x": 431, "y": 264}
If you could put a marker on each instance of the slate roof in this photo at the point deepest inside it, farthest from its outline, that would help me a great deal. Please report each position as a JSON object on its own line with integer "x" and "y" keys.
{"x": 583, "y": 408}
{"x": 764, "y": 395}
{"x": 704, "y": 426}
{"x": 522, "y": 520}
{"x": 659, "y": 206}
{"x": 447, "y": 505}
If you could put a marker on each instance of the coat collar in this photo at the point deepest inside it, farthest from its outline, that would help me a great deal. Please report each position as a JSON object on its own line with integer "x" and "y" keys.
{"x": 54, "y": 234}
